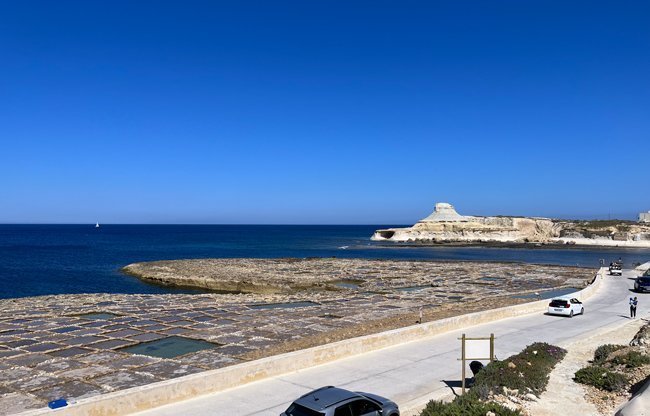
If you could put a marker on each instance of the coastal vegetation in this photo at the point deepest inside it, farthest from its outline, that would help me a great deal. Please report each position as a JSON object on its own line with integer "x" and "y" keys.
{"x": 617, "y": 370}
{"x": 601, "y": 377}
{"x": 602, "y": 223}
{"x": 602, "y": 352}
{"x": 611, "y": 367}
{"x": 467, "y": 405}
{"x": 501, "y": 384}
{"x": 632, "y": 359}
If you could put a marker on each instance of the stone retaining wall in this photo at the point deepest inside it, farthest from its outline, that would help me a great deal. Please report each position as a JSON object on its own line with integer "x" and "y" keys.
{"x": 183, "y": 388}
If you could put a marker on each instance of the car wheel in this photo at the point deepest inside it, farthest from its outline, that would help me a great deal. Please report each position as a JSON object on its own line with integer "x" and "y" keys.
{"x": 571, "y": 314}
{"x": 582, "y": 311}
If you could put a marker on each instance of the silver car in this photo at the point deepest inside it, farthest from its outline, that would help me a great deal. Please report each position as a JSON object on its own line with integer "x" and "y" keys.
{"x": 332, "y": 401}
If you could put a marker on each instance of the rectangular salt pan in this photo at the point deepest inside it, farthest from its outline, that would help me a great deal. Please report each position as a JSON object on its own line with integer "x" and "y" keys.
{"x": 169, "y": 347}
{"x": 283, "y": 305}
{"x": 98, "y": 316}
{"x": 547, "y": 294}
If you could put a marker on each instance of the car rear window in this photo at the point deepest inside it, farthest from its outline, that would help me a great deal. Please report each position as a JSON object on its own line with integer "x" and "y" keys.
{"x": 298, "y": 410}
{"x": 558, "y": 303}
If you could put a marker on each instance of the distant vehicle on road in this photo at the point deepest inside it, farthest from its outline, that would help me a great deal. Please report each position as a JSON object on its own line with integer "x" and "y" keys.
{"x": 642, "y": 283}
{"x": 333, "y": 401}
{"x": 566, "y": 306}
{"x": 615, "y": 269}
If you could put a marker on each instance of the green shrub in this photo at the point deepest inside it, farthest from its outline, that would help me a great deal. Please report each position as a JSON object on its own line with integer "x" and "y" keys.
{"x": 603, "y": 223}
{"x": 467, "y": 405}
{"x": 601, "y": 378}
{"x": 527, "y": 370}
{"x": 632, "y": 359}
{"x": 602, "y": 352}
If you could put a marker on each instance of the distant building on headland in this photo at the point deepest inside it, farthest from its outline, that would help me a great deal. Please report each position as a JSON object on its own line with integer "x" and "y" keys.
{"x": 644, "y": 217}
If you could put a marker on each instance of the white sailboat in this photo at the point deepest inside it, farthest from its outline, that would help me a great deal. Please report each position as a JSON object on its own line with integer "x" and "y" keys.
{"x": 97, "y": 225}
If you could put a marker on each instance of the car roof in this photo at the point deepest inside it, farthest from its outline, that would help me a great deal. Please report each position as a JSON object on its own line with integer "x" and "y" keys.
{"x": 325, "y": 397}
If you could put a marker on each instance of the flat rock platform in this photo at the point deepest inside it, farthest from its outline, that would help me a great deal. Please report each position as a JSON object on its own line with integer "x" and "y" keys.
{"x": 77, "y": 346}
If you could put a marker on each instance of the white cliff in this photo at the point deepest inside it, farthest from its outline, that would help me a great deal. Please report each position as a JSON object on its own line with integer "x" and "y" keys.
{"x": 445, "y": 225}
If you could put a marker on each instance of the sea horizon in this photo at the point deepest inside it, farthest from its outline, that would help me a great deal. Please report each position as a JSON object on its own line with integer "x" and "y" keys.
{"x": 206, "y": 223}
{"x": 52, "y": 259}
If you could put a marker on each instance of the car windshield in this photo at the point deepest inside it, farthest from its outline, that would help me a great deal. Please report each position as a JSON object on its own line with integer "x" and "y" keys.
{"x": 558, "y": 303}
{"x": 298, "y": 410}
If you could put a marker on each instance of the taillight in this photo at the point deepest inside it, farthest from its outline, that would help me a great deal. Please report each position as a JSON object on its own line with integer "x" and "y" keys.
{"x": 566, "y": 305}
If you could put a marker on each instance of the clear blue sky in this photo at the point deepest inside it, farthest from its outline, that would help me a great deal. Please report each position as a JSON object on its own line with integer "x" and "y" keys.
{"x": 322, "y": 111}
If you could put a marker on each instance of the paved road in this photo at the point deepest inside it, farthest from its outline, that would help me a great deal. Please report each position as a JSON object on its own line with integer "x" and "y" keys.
{"x": 414, "y": 372}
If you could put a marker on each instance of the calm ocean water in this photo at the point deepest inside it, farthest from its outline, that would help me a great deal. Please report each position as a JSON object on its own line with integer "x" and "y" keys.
{"x": 56, "y": 259}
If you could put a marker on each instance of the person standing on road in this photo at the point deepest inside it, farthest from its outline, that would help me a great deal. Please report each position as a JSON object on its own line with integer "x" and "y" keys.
{"x": 633, "y": 303}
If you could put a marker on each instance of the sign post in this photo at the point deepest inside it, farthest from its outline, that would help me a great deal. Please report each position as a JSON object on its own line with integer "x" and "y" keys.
{"x": 479, "y": 349}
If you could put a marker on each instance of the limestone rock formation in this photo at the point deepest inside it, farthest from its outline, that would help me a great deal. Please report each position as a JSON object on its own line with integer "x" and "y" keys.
{"x": 642, "y": 338}
{"x": 445, "y": 225}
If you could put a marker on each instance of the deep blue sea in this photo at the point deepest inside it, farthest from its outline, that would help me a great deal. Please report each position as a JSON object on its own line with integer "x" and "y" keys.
{"x": 56, "y": 259}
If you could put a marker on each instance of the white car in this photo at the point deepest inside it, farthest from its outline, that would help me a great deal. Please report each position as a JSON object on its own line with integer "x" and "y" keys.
{"x": 566, "y": 306}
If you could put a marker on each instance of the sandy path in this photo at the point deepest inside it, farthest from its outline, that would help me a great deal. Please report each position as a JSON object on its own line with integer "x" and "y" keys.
{"x": 562, "y": 392}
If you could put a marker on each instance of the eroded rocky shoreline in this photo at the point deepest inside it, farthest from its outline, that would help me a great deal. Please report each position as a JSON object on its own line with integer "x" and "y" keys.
{"x": 76, "y": 346}
{"x": 291, "y": 275}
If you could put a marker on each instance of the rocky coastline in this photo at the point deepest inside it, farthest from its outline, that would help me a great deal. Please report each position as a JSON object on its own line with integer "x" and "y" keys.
{"x": 446, "y": 227}
{"x": 78, "y": 346}
{"x": 313, "y": 275}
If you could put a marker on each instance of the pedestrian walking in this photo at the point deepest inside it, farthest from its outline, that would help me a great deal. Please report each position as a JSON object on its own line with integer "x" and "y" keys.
{"x": 633, "y": 303}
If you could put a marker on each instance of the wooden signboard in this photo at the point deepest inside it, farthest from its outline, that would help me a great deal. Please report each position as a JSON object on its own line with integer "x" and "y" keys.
{"x": 479, "y": 349}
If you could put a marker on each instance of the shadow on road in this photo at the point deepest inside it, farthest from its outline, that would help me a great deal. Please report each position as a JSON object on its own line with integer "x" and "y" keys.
{"x": 457, "y": 385}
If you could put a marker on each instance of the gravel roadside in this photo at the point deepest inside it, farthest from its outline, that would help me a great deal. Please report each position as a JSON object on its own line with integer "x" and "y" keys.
{"x": 563, "y": 393}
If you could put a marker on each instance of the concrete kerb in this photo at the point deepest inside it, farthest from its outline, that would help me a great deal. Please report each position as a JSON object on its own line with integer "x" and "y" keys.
{"x": 157, "y": 394}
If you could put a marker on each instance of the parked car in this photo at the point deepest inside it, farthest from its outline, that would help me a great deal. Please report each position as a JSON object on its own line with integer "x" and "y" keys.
{"x": 333, "y": 401}
{"x": 615, "y": 269}
{"x": 566, "y": 306}
{"x": 642, "y": 283}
